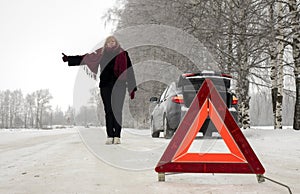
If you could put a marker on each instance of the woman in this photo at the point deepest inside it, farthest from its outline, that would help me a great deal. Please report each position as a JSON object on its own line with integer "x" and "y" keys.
{"x": 116, "y": 74}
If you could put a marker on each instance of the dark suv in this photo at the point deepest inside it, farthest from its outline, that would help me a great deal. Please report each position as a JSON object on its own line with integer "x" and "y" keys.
{"x": 175, "y": 100}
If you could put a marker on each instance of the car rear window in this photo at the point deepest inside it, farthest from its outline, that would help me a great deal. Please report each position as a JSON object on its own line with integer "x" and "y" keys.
{"x": 195, "y": 83}
{"x": 191, "y": 86}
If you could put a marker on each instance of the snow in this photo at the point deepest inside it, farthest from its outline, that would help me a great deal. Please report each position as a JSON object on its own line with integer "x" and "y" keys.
{"x": 76, "y": 160}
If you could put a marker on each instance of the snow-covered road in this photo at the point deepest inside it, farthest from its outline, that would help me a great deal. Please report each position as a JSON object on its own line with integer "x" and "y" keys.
{"x": 76, "y": 160}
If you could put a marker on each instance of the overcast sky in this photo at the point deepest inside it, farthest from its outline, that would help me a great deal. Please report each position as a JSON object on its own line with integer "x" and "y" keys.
{"x": 33, "y": 35}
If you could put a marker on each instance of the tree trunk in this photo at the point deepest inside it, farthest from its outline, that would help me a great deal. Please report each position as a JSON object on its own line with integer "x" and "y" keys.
{"x": 244, "y": 99}
{"x": 37, "y": 116}
{"x": 280, "y": 61}
{"x": 273, "y": 53}
{"x": 230, "y": 44}
{"x": 41, "y": 117}
{"x": 31, "y": 119}
{"x": 2, "y": 118}
{"x": 296, "y": 124}
{"x": 25, "y": 119}
{"x": 295, "y": 18}
{"x": 243, "y": 88}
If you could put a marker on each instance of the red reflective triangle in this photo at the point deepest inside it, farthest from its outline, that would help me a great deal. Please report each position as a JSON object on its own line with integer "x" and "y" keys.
{"x": 241, "y": 158}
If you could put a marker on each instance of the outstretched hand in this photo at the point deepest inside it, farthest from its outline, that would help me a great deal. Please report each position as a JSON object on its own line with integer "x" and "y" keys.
{"x": 64, "y": 57}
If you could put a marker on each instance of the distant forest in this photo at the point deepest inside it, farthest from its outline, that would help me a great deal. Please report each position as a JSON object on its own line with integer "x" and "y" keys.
{"x": 34, "y": 111}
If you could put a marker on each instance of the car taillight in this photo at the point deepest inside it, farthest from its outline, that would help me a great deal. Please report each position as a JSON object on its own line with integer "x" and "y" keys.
{"x": 188, "y": 74}
{"x": 226, "y": 75}
{"x": 234, "y": 100}
{"x": 178, "y": 99}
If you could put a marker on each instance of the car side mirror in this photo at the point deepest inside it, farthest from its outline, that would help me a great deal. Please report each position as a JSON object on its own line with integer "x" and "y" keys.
{"x": 154, "y": 99}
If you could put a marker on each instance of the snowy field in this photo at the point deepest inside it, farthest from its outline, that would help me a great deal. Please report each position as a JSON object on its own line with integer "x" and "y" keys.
{"x": 76, "y": 160}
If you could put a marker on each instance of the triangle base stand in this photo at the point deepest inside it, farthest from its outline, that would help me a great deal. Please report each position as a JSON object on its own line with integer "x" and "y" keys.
{"x": 162, "y": 177}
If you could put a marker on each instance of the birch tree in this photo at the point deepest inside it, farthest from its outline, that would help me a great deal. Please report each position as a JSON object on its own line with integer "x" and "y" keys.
{"x": 277, "y": 66}
{"x": 273, "y": 57}
{"x": 236, "y": 33}
{"x": 295, "y": 37}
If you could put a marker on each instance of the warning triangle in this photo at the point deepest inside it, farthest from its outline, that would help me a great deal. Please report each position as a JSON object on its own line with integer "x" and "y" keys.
{"x": 208, "y": 103}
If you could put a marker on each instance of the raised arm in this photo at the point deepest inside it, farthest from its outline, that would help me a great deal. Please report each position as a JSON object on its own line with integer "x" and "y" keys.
{"x": 92, "y": 60}
{"x": 73, "y": 60}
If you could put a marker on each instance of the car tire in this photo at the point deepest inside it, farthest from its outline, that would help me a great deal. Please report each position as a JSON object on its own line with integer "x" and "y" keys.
{"x": 168, "y": 132}
{"x": 154, "y": 134}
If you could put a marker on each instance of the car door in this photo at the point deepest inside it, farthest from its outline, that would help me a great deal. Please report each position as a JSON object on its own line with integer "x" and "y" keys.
{"x": 159, "y": 111}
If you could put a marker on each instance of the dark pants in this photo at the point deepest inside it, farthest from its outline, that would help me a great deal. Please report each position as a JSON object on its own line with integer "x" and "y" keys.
{"x": 113, "y": 100}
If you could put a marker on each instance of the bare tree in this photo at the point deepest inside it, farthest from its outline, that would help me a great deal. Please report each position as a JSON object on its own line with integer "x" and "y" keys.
{"x": 11, "y": 109}
{"x": 29, "y": 107}
{"x": 87, "y": 115}
{"x": 294, "y": 14}
{"x": 6, "y": 107}
{"x": 32, "y": 111}
{"x": 243, "y": 35}
{"x": 16, "y": 108}
{"x": 43, "y": 98}
{"x": 237, "y": 34}
{"x": 96, "y": 101}
{"x": 58, "y": 116}
{"x": 70, "y": 115}
{"x": 280, "y": 64}
{"x": 30, "y": 100}
{"x": 276, "y": 60}
{"x": 273, "y": 57}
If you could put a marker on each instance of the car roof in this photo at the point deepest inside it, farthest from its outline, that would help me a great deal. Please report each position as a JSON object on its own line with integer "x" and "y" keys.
{"x": 202, "y": 75}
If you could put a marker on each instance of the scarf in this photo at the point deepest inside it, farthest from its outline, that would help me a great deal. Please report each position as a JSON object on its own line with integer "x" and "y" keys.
{"x": 92, "y": 62}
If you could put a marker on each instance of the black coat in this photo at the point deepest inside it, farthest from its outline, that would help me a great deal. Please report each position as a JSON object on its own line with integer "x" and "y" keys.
{"x": 107, "y": 76}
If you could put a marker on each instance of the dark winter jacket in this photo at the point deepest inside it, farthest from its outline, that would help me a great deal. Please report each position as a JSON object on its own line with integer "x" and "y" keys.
{"x": 113, "y": 66}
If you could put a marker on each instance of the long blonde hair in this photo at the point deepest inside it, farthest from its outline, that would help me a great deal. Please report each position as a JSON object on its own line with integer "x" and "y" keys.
{"x": 108, "y": 39}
